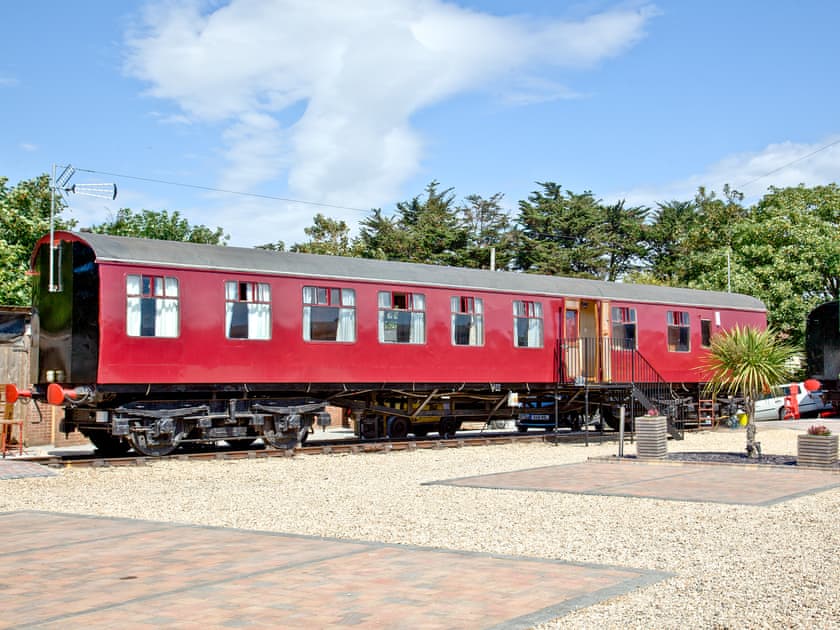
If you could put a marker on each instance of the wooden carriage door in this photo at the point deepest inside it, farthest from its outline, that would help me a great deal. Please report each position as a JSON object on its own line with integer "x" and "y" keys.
{"x": 589, "y": 337}
{"x": 570, "y": 334}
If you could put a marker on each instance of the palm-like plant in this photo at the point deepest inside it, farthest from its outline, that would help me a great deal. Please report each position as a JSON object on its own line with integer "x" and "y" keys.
{"x": 747, "y": 361}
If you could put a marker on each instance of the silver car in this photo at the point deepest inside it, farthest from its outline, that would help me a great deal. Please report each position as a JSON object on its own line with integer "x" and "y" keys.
{"x": 771, "y": 406}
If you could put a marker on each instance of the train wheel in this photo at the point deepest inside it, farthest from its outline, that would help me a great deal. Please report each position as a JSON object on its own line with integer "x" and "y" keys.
{"x": 398, "y": 428}
{"x": 448, "y": 427}
{"x": 369, "y": 429}
{"x": 286, "y": 440}
{"x": 420, "y": 430}
{"x": 240, "y": 445}
{"x": 150, "y": 448}
{"x": 108, "y": 445}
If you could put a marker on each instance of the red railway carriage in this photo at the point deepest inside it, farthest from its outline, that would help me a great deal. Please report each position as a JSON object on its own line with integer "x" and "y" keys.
{"x": 152, "y": 343}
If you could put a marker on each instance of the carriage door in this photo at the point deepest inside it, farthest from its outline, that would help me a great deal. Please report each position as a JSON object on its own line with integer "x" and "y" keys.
{"x": 590, "y": 339}
{"x": 570, "y": 334}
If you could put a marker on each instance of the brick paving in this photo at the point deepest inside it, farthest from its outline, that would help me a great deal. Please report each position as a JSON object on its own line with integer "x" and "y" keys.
{"x": 717, "y": 483}
{"x": 72, "y": 571}
{"x": 18, "y": 469}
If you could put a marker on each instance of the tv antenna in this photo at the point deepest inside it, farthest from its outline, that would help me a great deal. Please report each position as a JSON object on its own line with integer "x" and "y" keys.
{"x": 60, "y": 185}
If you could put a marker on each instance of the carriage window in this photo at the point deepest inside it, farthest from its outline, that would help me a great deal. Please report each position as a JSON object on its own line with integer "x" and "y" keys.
{"x": 706, "y": 333}
{"x": 679, "y": 331}
{"x": 402, "y": 317}
{"x": 467, "y": 321}
{"x": 329, "y": 314}
{"x": 527, "y": 324}
{"x": 151, "y": 306}
{"x": 247, "y": 310}
{"x": 623, "y": 328}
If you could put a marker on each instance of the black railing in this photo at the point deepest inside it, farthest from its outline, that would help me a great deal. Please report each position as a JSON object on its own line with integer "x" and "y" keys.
{"x": 608, "y": 361}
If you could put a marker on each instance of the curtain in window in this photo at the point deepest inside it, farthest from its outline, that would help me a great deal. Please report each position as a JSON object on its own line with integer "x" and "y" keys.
{"x": 477, "y": 328}
{"x": 418, "y": 319}
{"x": 534, "y": 333}
{"x": 418, "y": 328}
{"x": 259, "y": 321}
{"x": 166, "y": 317}
{"x": 384, "y": 303}
{"x": 347, "y": 316}
{"x": 132, "y": 314}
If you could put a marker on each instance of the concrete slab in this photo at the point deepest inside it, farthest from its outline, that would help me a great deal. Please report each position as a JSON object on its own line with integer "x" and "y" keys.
{"x": 735, "y": 484}
{"x": 73, "y": 571}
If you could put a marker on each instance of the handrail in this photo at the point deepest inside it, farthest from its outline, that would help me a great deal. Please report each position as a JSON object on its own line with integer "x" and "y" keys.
{"x": 605, "y": 360}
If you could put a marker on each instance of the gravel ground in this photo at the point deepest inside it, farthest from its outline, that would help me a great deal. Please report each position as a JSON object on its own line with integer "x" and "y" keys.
{"x": 734, "y": 566}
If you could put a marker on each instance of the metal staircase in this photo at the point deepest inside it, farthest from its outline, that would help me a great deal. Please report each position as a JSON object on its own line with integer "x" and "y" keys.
{"x": 623, "y": 374}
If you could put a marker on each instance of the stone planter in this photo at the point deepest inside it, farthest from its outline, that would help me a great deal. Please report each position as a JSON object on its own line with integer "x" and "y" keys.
{"x": 651, "y": 436}
{"x": 816, "y": 451}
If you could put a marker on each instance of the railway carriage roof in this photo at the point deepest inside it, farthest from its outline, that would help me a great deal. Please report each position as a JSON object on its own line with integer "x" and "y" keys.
{"x": 118, "y": 249}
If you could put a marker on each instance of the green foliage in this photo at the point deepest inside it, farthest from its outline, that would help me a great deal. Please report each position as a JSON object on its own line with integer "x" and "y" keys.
{"x": 487, "y": 226}
{"x": 746, "y": 361}
{"x": 424, "y": 229}
{"x": 381, "y": 238}
{"x": 326, "y": 236}
{"x": 563, "y": 233}
{"x": 24, "y": 218}
{"x": 159, "y": 225}
{"x": 560, "y": 233}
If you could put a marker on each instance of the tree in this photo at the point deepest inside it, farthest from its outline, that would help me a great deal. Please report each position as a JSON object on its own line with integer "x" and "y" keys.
{"x": 24, "y": 218}
{"x": 381, "y": 238}
{"x": 434, "y": 233}
{"x": 487, "y": 226}
{"x": 326, "y": 236}
{"x": 790, "y": 254}
{"x": 747, "y": 361}
{"x": 666, "y": 238}
{"x": 561, "y": 233}
{"x": 623, "y": 238}
{"x": 161, "y": 226}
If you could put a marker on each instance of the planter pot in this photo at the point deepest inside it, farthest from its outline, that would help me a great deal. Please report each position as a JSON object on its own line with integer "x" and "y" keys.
{"x": 816, "y": 451}
{"x": 651, "y": 436}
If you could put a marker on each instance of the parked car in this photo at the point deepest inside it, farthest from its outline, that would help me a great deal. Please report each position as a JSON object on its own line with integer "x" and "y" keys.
{"x": 771, "y": 406}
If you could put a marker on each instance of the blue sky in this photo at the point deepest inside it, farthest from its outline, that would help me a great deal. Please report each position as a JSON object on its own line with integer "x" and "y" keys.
{"x": 360, "y": 104}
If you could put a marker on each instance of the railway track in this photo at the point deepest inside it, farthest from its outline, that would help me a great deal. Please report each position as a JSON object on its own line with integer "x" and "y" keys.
{"x": 324, "y": 447}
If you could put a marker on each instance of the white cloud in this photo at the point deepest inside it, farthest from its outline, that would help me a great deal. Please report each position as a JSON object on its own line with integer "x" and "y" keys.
{"x": 356, "y": 72}
{"x": 28, "y": 147}
{"x": 780, "y": 165}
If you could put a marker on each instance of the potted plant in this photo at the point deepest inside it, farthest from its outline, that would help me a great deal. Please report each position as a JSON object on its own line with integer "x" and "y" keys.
{"x": 817, "y": 448}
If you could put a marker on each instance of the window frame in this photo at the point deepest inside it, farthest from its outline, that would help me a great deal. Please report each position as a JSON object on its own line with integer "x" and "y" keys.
{"x": 410, "y": 300}
{"x": 161, "y": 300}
{"x": 329, "y": 302}
{"x": 618, "y": 320}
{"x": 705, "y": 333}
{"x": 253, "y": 297}
{"x": 678, "y": 324}
{"x": 472, "y": 307}
{"x": 532, "y": 310}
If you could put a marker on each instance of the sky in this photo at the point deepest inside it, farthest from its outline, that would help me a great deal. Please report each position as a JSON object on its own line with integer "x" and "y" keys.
{"x": 254, "y": 115}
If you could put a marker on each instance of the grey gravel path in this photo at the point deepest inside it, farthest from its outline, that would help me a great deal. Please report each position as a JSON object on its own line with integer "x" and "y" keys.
{"x": 734, "y": 566}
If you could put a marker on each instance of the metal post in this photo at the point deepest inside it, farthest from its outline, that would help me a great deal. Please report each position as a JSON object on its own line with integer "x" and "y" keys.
{"x": 51, "y": 285}
{"x": 621, "y": 431}
{"x": 586, "y": 414}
